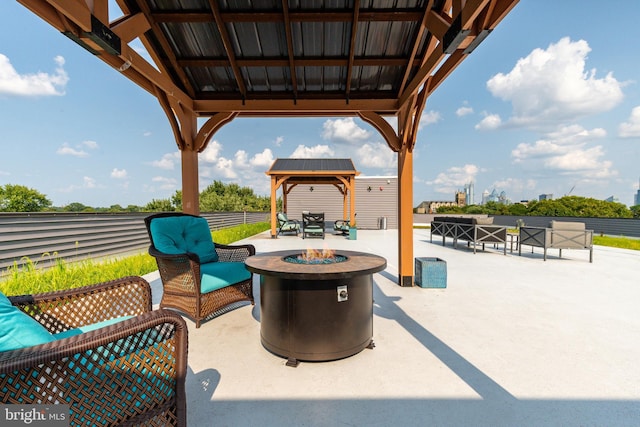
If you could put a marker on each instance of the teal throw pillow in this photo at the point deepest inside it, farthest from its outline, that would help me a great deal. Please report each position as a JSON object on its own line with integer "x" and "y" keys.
{"x": 18, "y": 330}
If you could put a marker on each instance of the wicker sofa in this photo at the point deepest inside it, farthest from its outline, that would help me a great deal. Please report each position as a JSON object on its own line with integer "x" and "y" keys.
{"x": 99, "y": 349}
{"x": 559, "y": 235}
{"x": 472, "y": 230}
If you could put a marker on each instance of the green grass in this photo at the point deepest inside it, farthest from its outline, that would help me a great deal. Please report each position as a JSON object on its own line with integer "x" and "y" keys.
{"x": 34, "y": 278}
{"x": 617, "y": 242}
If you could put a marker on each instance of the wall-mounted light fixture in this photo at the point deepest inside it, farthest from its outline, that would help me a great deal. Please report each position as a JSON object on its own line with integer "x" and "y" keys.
{"x": 311, "y": 188}
{"x": 388, "y": 181}
{"x": 381, "y": 188}
{"x": 369, "y": 188}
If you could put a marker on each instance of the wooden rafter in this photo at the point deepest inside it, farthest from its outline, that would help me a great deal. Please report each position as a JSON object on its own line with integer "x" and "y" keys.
{"x": 290, "y": 53}
{"x": 228, "y": 47}
{"x": 352, "y": 47}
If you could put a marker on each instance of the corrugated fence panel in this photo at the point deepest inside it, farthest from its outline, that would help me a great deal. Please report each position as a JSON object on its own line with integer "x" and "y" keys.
{"x": 42, "y": 237}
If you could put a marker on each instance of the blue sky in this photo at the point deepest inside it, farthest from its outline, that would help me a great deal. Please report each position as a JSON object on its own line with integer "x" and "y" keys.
{"x": 549, "y": 103}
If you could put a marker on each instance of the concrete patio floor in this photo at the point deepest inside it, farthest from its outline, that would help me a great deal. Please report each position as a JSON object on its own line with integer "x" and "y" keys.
{"x": 512, "y": 341}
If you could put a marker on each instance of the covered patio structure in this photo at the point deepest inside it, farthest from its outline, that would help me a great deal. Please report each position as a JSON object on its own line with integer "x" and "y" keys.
{"x": 288, "y": 173}
{"x": 218, "y": 60}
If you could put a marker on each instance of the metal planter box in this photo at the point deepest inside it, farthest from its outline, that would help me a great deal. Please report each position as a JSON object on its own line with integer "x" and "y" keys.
{"x": 431, "y": 272}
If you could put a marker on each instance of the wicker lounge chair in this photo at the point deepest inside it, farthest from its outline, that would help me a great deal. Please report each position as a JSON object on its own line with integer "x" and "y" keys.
{"x": 286, "y": 225}
{"x": 111, "y": 358}
{"x": 199, "y": 277}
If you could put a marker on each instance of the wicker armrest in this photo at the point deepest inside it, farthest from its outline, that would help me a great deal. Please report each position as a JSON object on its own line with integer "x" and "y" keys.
{"x": 62, "y": 310}
{"x": 187, "y": 256}
{"x": 130, "y": 372}
{"x": 228, "y": 253}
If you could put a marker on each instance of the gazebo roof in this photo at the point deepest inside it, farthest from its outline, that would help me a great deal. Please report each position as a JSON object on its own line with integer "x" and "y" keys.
{"x": 272, "y": 57}
{"x": 318, "y": 166}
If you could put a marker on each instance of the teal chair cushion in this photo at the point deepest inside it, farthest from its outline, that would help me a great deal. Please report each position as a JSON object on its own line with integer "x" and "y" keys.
{"x": 180, "y": 234}
{"x": 18, "y": 329}
{"x": 216, "y": 275}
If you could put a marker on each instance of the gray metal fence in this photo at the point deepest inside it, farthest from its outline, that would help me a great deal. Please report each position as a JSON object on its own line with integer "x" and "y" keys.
{"x": 42, "y": 237}
{"x": 628, "y": 227}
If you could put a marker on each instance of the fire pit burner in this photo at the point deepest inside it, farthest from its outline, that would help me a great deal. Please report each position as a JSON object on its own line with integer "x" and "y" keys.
{"x": 304, "y": 258}
{"x": 316, "y": 311}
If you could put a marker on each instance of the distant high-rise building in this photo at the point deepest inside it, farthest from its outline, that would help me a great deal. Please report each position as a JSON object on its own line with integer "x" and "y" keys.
{"x": 468, "y": 191}
{"x": 612, "y": 199}
{"x": 636, "y": 198}
{"x": 545, "y": 197}
{"x": 461, "y": 199}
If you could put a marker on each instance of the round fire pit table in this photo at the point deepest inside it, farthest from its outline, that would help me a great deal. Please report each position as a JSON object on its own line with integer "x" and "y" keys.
{"x": 316, "y": 311}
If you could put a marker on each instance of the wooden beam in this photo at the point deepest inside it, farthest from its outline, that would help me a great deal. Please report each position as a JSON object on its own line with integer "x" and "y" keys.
{"x": 129, "y": 27}
{"x": 381, "y": 125}
{"x": 352, "y": 46}
{"x": 228, "y": 47}
{"x": 210, "y": 127}
{"x": 290, "y": 53}
{"x": 302, "y": 107}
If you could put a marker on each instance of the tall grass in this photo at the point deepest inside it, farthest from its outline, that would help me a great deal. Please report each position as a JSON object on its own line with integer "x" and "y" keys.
{"x": 51, "y": 273}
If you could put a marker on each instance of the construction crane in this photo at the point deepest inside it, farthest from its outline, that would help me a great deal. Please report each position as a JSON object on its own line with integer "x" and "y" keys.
{"x": 571, "y": 191}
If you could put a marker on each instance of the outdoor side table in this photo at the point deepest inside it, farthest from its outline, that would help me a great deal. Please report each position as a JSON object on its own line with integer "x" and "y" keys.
{"x": 431, "y": 272}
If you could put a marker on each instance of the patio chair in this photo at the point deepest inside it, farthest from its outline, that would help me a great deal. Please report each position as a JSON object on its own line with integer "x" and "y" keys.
{"x": 341, "y": 226}
{"x": 99, "y": 349}
{"x": 312, "y": 224}
{"x": 286, "y": 225}
{"x": 200, "y": 278}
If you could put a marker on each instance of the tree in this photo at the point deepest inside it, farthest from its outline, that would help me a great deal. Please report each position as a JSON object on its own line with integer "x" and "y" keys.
{"x": 18, "y": 198}
{"x": 635, "y": 211}
{"x": 162, "y": 205}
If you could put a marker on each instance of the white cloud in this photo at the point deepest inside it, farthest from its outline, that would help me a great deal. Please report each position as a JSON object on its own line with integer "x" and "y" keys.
{"x": 464, "y": 111}
{"x": 211, "y": 153}
{"x": 345, "y": 130}
{"x": 631, "y": 128}
{"x": 90, "y": 144}
{"x": 262, "y": 160}
{"x": 279, "y": 140}
{"x": 304, "y": 152}
{"x": 88, "y": 182}
{"x": 550, "y": 86}
{"x": 454, "y": 178}
{"x": 167, "y": 161}
{"x": 429, "y": 118}
{"x": 377, "y": 155}
{"x": 65, "y": 150}
{"x": 118, "y": 173}
{"x": 490, "y": 122}
{"x": 12, "y": 83}
{"x": 165, "y": 183}
{"x": 515, "y": 185}
{"x": 224, "y": 167}
{"x": 566, "y": 152}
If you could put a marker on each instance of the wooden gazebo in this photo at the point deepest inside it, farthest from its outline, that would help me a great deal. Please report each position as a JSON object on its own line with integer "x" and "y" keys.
{"x": 288, "y": 173}
{"x": 219, "y": 60}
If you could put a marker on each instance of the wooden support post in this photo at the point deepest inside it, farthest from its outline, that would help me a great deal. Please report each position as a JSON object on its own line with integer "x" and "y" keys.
{"x": 274, "y": 206}
{"x": 190, "y": 193}
{"x": 405, "y": 217}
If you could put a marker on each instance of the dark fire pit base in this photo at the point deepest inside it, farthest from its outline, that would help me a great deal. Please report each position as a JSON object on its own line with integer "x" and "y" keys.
{"x": 303, "y": 320}
{"x": 317, "y": 312}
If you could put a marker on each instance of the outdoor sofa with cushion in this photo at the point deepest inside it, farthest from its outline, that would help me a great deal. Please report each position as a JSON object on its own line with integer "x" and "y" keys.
{"x": 472, "y": 230}
{"x": 200, "y": 278}
{"x": 99, "y": 349}
{"x": 559, "y": 235}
